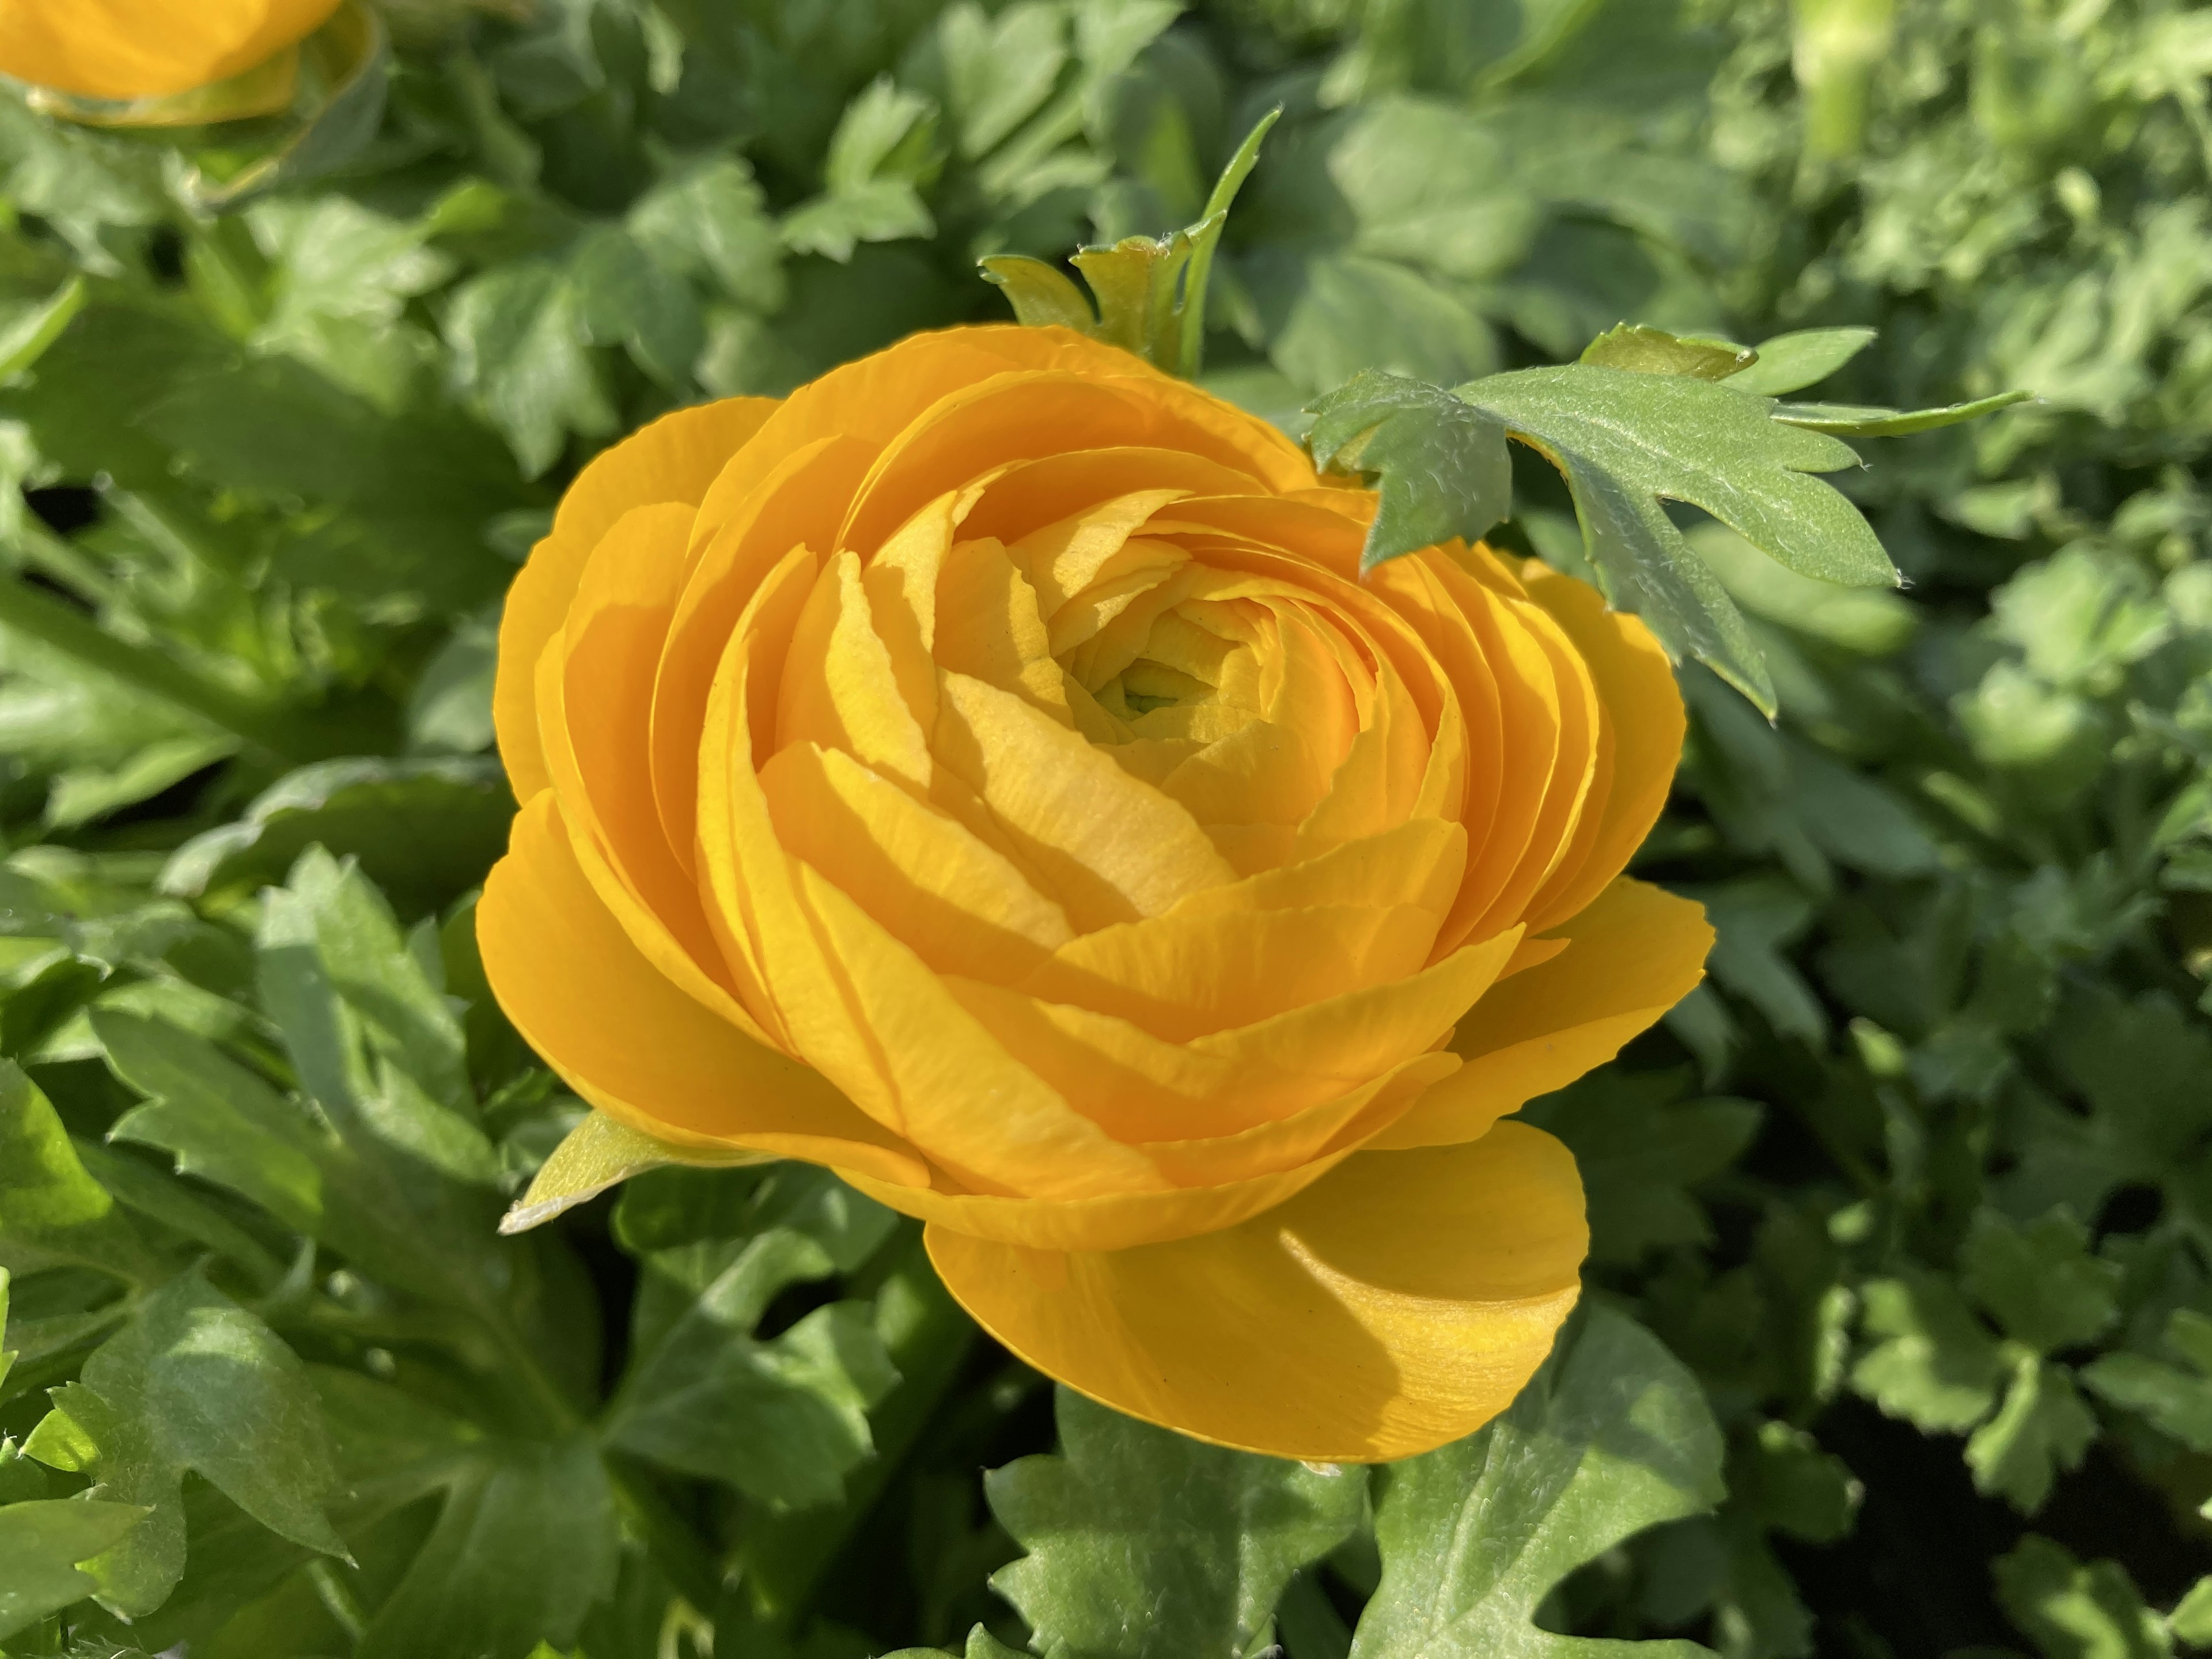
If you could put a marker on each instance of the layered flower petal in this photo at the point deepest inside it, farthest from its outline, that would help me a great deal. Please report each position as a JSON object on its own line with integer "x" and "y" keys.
{"x": 673, "y": 459}
{"x": 634, "y": 1046}
{"x": 1400, "y": 1302}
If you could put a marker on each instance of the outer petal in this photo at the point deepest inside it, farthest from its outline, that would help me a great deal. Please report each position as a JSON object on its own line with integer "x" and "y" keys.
{"x": 130, "y": 49}
{"x": 1630, "y": 955}
{"x": 1642, "y": 727}
{"x": 1398, "y": 1303}
{"x": 673, "y": 459}
{"x": 634, "y": 1046}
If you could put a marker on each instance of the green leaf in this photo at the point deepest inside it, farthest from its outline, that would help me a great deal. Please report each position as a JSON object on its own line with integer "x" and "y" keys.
{"x": 1612, "y": 1437}
{"x": 374, "y": 1039}
{"x": 1625, "y": 442}
{"x": 450, "y": 712}
{"x": 1793, "y": 1486}
{"x": 2039, "y": 1281}
{"x": 1206, "y": 241}
{"x": 1756, "y": 918}
{"x": 7, "y": 1357}
{"x": 1870, "y": 621}
{"x": 2177, "y": 1400}
{"x": 884, "y": 148}
{"x": 599, "y": 1153}
{"x": 2190, "y": 1621}
{"x": 2133, "y": 1063}
{"x": 993, "y": 73}
{"x": 1643, "y": 349}
{"x": 1933, "y": 1364}
{"x": 356, "y": 1000}
{"x": 219, "y": 1121}
{"x": 1641, "y": 1148}
{"x": 518, "y": 334}
{"x": 785, "y": 1419}
{"x": 2040, "y": 1429}
{"x": 2077, "y": 1611}
{"x": 981, "y": 1644}
{"x": 1373, "y": 235}
{"x": 193, "y": 1383}
{"x": 1127, "y": 1517}
{"x": 181, "y": 1210}
{"x": 668, "y": 1208}
{"x": 525, "y": 1543}
{"x": 389, "y": 1165}
{"x": 626, "y": 296}
{"x": 51, "y": 1210}
{"x": 1440, "y": 466}
{"x": 711, "y": 222}
{"x": 42, "y": 1543}
{"x": 1858, "y": 421}
{"x": 1789, "y": 362}
{"x": 425, "y": 830}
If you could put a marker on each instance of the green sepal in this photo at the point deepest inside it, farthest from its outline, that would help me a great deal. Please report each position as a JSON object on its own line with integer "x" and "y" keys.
{"x": 1042, "y": 296}
{"x": 1150, "y": 292}
{"x": 599, "y": 1153}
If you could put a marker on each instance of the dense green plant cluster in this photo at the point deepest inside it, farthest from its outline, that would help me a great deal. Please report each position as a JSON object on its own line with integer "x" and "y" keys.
{"x": 1899, "y": 1337}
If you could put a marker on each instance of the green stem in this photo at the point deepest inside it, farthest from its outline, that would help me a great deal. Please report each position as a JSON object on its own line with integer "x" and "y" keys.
{"x": 782, "y": 1561}
{"x": 668, "y": 1538}
{"x": 337, "y": 1600}
{"x": 36, "y": 616}
{"x": 62, "y": 560}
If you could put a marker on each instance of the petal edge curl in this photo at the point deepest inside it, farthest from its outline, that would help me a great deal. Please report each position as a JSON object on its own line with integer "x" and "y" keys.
{"x": 1632, "y": 953}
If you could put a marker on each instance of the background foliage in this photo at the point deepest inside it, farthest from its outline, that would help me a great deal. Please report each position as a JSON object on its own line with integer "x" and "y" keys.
{"x": 1899, "y": 1338}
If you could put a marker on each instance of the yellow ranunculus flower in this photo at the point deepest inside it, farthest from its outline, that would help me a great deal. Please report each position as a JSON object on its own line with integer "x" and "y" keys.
{"x": 124, "y": 51}
{"x": 986, "y": 772}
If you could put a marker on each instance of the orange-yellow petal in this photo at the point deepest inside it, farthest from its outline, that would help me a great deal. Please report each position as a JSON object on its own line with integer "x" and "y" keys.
{"x": 1110, "y": 1221}
{"x": 1642, "y": 740}
{"x": 634, "y": 1046}
{"x": 1397, "y": 1304}
{"x": 1632, "y": 955}
{"x": 673, "y": 459}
